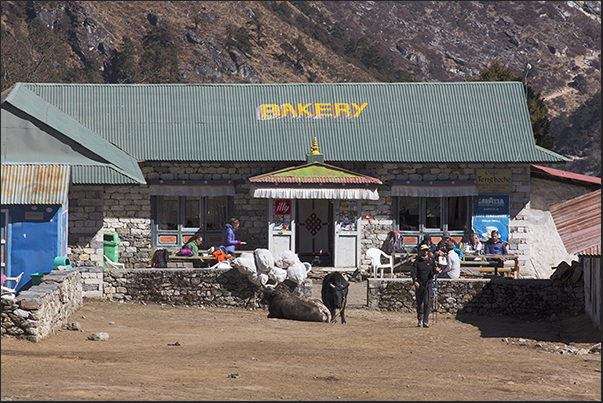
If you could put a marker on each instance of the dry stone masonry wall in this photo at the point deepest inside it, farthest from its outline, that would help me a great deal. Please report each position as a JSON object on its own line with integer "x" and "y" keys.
{"x": 182, "y": 286}
{"x": 482, "y": 296}
{"x": 41, "y": 310}
{"x": 44, "y": 308}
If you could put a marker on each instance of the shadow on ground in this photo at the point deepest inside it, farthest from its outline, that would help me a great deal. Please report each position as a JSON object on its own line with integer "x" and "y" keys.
{"x": 562, "y": 328}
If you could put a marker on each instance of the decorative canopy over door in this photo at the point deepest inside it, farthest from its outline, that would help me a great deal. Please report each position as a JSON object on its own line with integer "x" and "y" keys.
{"x": 315, "y": 180}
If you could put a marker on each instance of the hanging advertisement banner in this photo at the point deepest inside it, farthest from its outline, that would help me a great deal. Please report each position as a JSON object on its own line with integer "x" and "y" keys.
{"x": 491, "y": 205}
{"x": 282, "y": 215}
{"x": 483, "y": 226}
{"x": 494, "y": 180}
{"x": 491, "y": 212}
{"x": 348, "y": 215}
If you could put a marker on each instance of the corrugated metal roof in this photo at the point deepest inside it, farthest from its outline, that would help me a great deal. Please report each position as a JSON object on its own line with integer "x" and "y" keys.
{"x": 379, "y": 122}
{"x": 35, "y": 184}
{"x": 100, "y": 174}
{"x": 578, "y": 222}
{"x": 567, "y": 175}
{"x": 593, "y": 251}
{"x": 100, "y": 153}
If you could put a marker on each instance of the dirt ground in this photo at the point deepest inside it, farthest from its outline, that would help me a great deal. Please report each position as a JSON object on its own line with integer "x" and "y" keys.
{"x": 238, "y": 354}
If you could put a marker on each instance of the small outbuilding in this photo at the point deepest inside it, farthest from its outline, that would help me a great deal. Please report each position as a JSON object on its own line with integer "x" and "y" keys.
{"x": 578, "y": 221}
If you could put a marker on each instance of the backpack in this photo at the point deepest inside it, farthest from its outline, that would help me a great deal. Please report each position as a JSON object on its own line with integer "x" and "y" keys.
{"x": 394, "y": 243}
{"x": 161, "y": 257}
{"x": 185, "y": 252}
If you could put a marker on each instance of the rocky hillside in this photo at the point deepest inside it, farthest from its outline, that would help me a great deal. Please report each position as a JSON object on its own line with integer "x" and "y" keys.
{"x": 554, "y": 45}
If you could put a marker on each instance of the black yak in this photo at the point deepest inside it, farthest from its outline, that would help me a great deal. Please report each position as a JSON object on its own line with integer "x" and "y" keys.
{"x": 335, "y": 294}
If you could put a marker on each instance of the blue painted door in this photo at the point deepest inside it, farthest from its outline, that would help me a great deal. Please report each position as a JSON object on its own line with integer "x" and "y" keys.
{"x": 34, "y": 240}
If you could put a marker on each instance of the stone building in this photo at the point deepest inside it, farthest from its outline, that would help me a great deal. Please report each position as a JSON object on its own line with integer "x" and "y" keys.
{"x": 325, "y": 170}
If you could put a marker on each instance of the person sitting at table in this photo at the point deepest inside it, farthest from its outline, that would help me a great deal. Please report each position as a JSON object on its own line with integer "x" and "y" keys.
{"x": 193, "y": 244}
{"x": 495, "y": 246}
{"x": 441, "y": 246}
{"x": 453, "y": 263}
{"x": 473, "y": 247}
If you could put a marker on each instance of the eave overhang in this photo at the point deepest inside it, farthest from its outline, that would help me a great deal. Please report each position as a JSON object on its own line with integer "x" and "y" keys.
{"x": 316, "y": 180}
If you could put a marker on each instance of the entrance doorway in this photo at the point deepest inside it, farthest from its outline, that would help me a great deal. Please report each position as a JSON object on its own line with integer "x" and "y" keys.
{"x": 314, "y": 238}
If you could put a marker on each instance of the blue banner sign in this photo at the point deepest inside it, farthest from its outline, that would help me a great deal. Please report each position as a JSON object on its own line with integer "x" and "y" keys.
{"x": 483, "y": 226}
{"x": 491, "y": 205}
{"x": 491, "y": 212}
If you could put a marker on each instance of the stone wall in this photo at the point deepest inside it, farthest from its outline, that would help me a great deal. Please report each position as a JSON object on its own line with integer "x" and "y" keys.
{"x": 481, "y": 296}
{"x": 183, "y": 286}
{"x": 92, "y": 281}
{"x": 126, "y": 210}
{"x": 41, "y": 310}
{"x": 44, "y": 308}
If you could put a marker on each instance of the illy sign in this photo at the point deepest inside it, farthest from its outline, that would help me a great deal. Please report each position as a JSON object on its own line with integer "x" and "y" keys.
{"x": 282, "y": 207}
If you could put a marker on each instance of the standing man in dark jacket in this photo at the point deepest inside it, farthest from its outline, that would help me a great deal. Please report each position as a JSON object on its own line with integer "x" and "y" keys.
{"x": 422, "y": 273}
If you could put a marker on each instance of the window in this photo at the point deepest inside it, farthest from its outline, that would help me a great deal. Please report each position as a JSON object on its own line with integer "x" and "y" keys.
{"x": 408, "y": 216}
{"x": 431, "y": 214}
{"x": 167, "y": 213}
{"x": 459, "y": 213}
{"x": 192, "y": 212}
{"x": 216, "y": 213}
{"x": 175, "y": 218}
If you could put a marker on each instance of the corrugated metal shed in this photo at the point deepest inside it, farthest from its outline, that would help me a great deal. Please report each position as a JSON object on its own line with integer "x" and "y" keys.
{"x": 578, "y": 223}
{"x": 372, "y": 122}
{"x": 35, "y": 184}
{"x": 98, "y": 160}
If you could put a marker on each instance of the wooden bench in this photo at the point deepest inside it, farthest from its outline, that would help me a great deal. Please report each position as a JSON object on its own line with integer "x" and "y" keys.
{"x": 196, "y": 261}
{"x": 489, "y": 267}
{"x": 187, "y": 261}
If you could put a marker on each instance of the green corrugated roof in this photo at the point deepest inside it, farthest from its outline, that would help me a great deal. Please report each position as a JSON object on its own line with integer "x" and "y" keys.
{"x": 397, "y": 122}
{"x": 105, "y": 161}
{"x": 101, "y": 174}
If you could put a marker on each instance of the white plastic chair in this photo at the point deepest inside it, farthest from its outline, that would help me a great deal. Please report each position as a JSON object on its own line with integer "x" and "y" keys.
{"x": 7, "y": 292}
{"x": 113, "y": 265}
{"x": 376, "y": 255}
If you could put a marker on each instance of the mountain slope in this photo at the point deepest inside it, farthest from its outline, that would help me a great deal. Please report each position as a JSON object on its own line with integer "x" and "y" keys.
{"x": 332, "y": 41}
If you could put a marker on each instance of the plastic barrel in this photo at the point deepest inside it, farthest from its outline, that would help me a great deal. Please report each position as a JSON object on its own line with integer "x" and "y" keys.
{"x": 61, "y": 261}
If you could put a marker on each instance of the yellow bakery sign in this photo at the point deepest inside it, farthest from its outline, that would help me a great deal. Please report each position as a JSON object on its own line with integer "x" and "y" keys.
{"x": 310, "y": 110}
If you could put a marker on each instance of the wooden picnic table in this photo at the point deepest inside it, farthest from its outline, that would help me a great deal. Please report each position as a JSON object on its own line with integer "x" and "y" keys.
{"x": 488, "y": 265}
{"x": 205, "y": 259}
{"x": 468, "y": 265}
